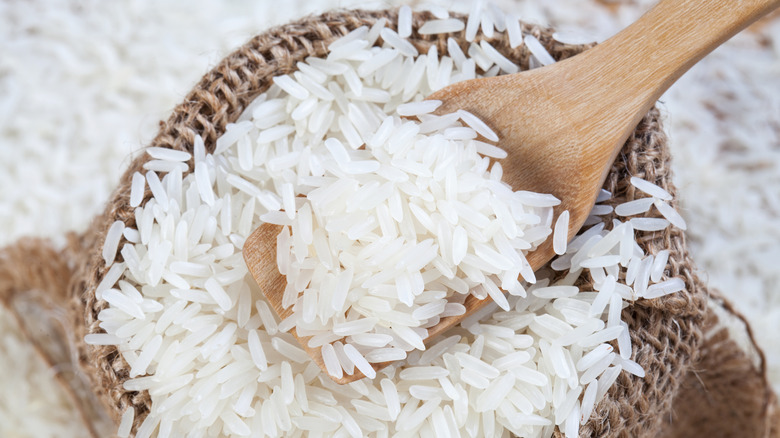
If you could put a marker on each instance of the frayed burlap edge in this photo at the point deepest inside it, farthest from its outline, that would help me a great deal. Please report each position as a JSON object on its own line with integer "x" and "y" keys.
{"x": 34, "y": 279}
{"x": 666, "y": 333}
{"x": 726, "y": 393}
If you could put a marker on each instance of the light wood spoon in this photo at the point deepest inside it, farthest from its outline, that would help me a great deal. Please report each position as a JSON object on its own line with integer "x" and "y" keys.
{"x": 564, "y": 124}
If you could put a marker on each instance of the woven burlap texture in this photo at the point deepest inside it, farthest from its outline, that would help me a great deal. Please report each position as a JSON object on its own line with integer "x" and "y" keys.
{"x": 668, "y": 334}
{"x": 726, "y": 393}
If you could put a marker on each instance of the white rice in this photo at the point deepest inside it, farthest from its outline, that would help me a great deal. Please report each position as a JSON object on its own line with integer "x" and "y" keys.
{"x": 513, "y": 31}
{"x": 101, "y": 339}
{"x": 570, "y": 36}
{"x": 405, "y": 223}
{"x": 498, "y": 59}
{"x": 538, "y": 50}
{"x": 670, "y": 214}
{"x": 448, "y": 25}
{"x": 664, "y": 288}
{"x": 405, "y": 21}
{"x": 486, "y": 24}
{"x": 165, "y": 154}
{"x": 477, "y": 125}
{"x": 395, "y": 41}
{"x": 126, "y": 423}
{"x": 650, "y": 188}
{"x": 649, "y": 224}
{"x": 659, "y": 265}
{"x": 111, "y": 244}
{"x": 289, "y": 85}
{"x": 418, "y": 108}
{"x": 637, "y": 206}
{"x": 137, "y": 190}
{"x": 711, "y": 186}
{"x": 473, "y": 22}
{"x": 561, "y": 233}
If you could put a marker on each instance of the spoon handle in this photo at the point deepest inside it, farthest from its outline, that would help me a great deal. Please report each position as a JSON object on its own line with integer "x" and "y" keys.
{"x": 664, "y": 43}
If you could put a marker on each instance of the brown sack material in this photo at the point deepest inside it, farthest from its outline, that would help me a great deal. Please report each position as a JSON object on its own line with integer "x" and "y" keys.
{"x": 726, "y": 393}
{"x": 671, "y": 336}
{"x": 34, "y": 279}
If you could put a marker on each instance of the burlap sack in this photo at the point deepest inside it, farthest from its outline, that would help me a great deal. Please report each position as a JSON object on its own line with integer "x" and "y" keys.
{"x": 699, "y": 382}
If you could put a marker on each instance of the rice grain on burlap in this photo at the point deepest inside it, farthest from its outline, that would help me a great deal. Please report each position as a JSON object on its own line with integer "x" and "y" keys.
{"x": 667, "y": 333}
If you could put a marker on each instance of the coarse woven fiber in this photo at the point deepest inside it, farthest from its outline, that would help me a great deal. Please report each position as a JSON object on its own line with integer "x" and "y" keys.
{"x": 727, "y": 395}
{"x": 34, "y": 279}
{"x": 668, "y": 334}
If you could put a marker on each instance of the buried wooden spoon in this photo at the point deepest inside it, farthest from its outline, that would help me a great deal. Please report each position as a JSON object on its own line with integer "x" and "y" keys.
{"x": 564, "y": 124}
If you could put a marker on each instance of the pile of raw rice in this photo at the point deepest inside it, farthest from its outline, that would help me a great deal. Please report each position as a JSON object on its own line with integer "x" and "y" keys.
{"x": 203, "y": 341}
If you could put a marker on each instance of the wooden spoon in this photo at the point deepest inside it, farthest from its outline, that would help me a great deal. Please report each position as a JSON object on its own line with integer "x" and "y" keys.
{"x": 564, "y": 124}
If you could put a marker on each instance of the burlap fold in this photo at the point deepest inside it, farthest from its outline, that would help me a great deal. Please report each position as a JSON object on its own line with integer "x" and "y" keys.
{"x": 671, "y": 336}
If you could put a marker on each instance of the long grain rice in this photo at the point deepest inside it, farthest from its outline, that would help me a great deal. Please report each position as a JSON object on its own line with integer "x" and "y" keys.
{"x": 181, "y": 304}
